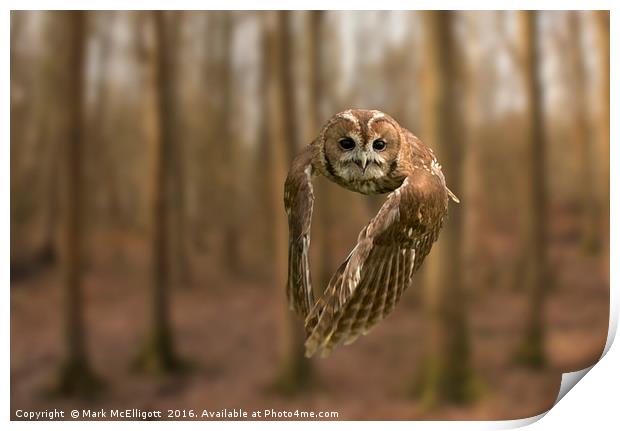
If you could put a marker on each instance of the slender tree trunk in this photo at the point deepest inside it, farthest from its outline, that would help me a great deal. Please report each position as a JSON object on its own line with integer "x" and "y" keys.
{"x": 232, "y": 236}
{"x": 602, "y": 30}
{"x": 481, "y": 273}
{"x": 177, "y": 184}
{"x": 15, "y": 132}
{"x": 446, "y": 375}
{"x": 76, "y": 377}
{"x": 47, "y": 251}
{"x": 47, "y": 123}
{"x": 183, "y": 263}
{"x": 285, "y": 55}
{"x": 324, "y": 202}
{"x": 103, "y": 146}
{"x": 294, "y": 369}
{"x": 531, "y": 350}
{"x": 208, "y": 129}
{"x": 158, "y": 352}
{"x": 582, "y": 133}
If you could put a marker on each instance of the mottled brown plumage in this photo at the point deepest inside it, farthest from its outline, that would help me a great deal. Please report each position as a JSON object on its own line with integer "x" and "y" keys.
{"x": 367, "y": 152}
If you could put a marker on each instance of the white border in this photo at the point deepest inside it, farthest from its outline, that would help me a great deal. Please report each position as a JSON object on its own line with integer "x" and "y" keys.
{"x": 594, "y": 403}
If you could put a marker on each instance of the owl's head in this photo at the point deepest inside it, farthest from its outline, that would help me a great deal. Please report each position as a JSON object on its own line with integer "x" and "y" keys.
{"x": 361, "y": 145}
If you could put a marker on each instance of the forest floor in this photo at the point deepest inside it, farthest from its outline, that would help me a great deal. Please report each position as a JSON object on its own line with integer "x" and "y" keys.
{"x": 227, "y": 329}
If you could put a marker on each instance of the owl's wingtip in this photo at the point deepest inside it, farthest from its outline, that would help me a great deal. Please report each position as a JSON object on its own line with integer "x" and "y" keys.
{"x": 453, "y": 196}
{"x": 311, "y": 349}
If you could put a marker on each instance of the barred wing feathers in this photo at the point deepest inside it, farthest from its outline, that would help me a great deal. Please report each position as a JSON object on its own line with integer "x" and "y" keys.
{"x": 298, "y": 203}
{"x": 369, "y": 283}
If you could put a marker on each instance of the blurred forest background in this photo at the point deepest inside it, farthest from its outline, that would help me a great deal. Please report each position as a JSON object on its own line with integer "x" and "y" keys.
{"x": 148, "y": 235}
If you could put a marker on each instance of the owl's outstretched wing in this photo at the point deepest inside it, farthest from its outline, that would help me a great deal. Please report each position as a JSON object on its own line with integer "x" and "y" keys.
{"x": 298, "y": 202}
{"x": 389, "y": 250}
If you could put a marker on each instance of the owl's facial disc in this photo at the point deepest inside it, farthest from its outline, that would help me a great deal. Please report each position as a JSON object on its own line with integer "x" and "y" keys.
{"x": 360, "y": 146}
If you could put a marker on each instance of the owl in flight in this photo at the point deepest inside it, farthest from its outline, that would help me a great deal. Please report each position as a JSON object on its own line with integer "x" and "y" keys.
{"x": 366, "y": 152}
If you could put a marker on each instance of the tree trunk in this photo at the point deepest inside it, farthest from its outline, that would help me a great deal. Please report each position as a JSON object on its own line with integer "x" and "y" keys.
{"x": 75, "y": 377}
{"x": 531, "y": 350}
{"x": 103, "y": 146}
{"x": 47, "y": 123}
{"x": 228, "y": 181}
{"x": 47, "y": 251}
{"x": 294, "y": 369}
{"x": 208, "y": 127}
{"x": 582, "y": 133}
{"x": 324, "y": 201}
{"x": 446, "y": 375}
{"x": 178, "y": 234}
{"x": 602, "y": 30}
{"x": 158, "y": 354}
{"x": 16, "y": 133}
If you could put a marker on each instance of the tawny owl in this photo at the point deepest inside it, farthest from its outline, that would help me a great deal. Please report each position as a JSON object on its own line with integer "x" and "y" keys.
{"x": 366, "y": 152}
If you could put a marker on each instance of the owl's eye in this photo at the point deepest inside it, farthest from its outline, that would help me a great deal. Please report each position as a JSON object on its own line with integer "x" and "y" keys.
{"x": 379, "y": 145}
{"x": 347, "y": 144}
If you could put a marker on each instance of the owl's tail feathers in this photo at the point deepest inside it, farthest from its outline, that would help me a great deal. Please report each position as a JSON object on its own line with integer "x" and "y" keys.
{"x": 299, "y": 286}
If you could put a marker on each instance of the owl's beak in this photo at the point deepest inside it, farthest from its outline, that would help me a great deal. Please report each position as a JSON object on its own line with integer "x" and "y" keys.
{"x": 362, "y": 162}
